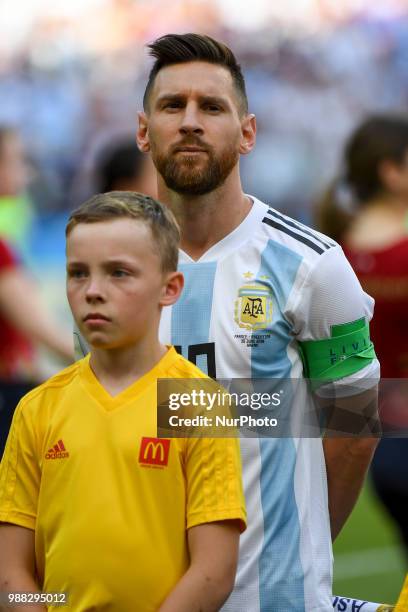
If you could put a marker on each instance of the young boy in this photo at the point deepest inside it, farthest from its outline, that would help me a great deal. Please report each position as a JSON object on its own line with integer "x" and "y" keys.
{"x": 92, "y": 503}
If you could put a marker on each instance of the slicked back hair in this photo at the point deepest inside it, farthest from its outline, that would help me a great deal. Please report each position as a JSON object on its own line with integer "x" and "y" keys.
{"x": 132, "y": 205}
{"x": 174, "y": 49}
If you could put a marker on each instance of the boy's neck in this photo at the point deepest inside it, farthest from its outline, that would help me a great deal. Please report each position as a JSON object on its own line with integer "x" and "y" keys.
{"x": 117, "y": 369}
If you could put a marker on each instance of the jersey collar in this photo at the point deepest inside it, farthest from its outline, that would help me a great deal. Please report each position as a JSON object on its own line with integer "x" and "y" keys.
{"x": 234, "y": 239}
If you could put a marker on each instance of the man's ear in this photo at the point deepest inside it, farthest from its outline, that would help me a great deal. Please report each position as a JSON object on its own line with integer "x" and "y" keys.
{"x": 142, "y": 135}
{"x": 172, "y": 288}
{"x": 248, "y": 134}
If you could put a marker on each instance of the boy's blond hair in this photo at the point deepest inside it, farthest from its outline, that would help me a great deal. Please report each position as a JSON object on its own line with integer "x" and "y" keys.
{"x": 133, "y": 205}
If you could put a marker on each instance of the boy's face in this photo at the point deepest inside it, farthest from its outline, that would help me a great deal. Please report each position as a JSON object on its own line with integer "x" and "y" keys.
{"x": 115, "y": 285}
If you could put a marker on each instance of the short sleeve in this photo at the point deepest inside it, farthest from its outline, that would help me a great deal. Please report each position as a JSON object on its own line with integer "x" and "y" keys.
{"x": 331, "y": 295}
{"x": 214, "y": 481}
{"x": 20, "y": 473}
{"x": 331, "y": 303}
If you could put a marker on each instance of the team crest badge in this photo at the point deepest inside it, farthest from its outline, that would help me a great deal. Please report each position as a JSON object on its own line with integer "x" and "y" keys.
{"x": 253, "y": 306}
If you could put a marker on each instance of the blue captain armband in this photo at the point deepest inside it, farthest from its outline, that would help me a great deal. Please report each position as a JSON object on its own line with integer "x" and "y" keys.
{"x": 348, "y": 350}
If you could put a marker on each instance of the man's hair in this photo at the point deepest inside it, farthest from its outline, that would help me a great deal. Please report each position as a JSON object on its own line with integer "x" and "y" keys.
{"x": 379, "y": 138}
{"x": 116, "y": 164}
{"x": 182, "y": 48}
{"x": 133, "y": 205}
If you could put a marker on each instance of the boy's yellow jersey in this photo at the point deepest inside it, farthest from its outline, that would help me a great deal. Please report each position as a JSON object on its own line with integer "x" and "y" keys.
{"x": 109, "y": 502}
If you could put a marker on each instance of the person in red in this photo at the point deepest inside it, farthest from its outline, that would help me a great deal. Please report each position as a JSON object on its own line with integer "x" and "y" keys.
{"x": 24, "y": 321}
{"x": 366, "y": 210}
{"x": 16, "y": 351}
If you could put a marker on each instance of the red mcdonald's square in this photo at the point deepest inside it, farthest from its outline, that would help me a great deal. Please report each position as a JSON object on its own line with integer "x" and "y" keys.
{"x": 154, "y": 451}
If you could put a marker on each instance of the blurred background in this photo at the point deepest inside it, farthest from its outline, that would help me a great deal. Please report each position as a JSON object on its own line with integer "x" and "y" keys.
{"x": 72, "y": 76}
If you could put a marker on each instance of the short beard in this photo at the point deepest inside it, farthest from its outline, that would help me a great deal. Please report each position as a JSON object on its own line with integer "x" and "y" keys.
{"x": 185, "y": 179}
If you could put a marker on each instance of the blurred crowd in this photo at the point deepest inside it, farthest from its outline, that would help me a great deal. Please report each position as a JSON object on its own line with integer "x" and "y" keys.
{"x": 72, "y": 87}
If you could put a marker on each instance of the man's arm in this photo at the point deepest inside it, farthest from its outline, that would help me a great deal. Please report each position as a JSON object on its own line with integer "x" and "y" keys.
{"x": 347, "y": 462}
{"x": 348, "y": 459}
{"x": 210, "y": 578}
{"x": 17, "y": 565}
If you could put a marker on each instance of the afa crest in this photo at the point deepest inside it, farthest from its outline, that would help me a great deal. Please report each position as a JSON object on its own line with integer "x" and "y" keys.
{"x": 253, "y": 306}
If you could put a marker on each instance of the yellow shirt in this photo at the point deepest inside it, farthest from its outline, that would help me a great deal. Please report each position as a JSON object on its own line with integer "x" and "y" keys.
{"x": 109, "y": 502}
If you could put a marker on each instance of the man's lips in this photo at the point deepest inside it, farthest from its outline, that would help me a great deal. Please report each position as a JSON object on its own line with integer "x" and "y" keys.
{"x": 190, "y": 149}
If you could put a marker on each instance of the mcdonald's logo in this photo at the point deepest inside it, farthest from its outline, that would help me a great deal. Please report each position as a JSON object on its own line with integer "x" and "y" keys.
{"x": 154, "y": 451}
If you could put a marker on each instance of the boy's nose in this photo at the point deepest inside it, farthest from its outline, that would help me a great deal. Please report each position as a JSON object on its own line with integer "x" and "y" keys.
{"x": 94, "y": 291}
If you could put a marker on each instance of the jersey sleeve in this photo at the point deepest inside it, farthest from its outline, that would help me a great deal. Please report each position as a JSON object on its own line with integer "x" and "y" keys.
{"x": 331, "y": 315}
{"x": 20, "y": 473}
{"x": 214, "y": 481}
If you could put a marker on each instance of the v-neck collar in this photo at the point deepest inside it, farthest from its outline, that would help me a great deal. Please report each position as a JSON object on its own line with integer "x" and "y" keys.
{"x": 234, "y": 239}
{"x": 98, "y": 392}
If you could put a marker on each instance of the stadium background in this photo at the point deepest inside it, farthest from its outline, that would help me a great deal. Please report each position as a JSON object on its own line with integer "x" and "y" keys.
{"x": 71, "y": 79}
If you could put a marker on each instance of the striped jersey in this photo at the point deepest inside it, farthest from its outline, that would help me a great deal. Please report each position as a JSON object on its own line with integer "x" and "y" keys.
{"x": 247, "y": 303}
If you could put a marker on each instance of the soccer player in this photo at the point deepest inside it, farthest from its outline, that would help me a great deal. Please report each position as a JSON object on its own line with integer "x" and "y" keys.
{"x": 261, "y": 290}
{"x": 92, "y": 503}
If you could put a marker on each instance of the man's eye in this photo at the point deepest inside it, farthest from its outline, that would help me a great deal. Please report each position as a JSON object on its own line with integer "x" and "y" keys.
{"x": 213, "y": 108}
{"x": 119, "y": 273}
{"x": 172, "y": 105}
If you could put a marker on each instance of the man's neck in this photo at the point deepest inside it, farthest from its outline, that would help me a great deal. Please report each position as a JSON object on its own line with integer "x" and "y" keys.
{"x": 206, "y": 219}
{"x": 117, "y": 369}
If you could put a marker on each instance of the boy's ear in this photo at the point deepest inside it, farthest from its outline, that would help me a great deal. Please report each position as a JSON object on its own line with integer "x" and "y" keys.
{"x": 172, "y": 288}
{"x": 142, "y": 136}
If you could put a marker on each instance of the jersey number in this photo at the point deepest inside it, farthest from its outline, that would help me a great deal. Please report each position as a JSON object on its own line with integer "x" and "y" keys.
{"x": 207, "y": 349}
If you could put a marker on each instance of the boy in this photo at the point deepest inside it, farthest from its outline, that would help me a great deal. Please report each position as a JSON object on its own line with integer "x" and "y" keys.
{"x": 92, "y": 503}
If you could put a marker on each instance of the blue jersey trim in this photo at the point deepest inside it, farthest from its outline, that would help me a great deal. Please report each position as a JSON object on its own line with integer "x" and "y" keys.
{"x": 281, "y": 579}
{"x": 191, "y": 315}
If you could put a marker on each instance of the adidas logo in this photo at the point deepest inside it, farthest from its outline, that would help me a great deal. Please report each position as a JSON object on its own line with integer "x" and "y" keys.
{"x": 58, "y": 451}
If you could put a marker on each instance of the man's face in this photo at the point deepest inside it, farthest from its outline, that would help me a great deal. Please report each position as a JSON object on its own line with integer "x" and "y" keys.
{"x": 193, "y": 127}
{"x": 115, "y": 285}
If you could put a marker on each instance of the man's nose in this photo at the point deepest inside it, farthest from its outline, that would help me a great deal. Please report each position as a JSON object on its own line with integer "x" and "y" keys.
{"x": 191, "y": 120}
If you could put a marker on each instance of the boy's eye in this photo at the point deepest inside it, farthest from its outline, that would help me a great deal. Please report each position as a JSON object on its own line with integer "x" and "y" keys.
{"x": 119, "y": 273}
{"x": 76, "y": 273}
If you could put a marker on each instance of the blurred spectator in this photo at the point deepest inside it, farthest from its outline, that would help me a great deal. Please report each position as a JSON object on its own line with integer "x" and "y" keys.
{"x": 122, "y": 167}
{"x": 366, "y": 209}
{"x": 16, "y": 210}
{"x": 24, "y": 321}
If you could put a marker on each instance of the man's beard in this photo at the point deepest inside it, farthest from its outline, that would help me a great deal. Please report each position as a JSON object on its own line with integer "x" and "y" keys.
{"x": 186, "y": 177}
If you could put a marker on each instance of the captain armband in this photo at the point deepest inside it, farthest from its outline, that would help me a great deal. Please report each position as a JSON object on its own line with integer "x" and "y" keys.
{"x": 348, "y": 350}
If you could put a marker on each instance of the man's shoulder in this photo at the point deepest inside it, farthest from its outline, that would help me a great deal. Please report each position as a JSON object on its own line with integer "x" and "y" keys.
{"x": 53, "y": 385}
{"x": 299, "y": 239}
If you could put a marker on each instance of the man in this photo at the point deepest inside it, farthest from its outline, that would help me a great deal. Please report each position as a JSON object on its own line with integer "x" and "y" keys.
{"x": 92, "y": 503}
{"x": 196, "y": 124}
